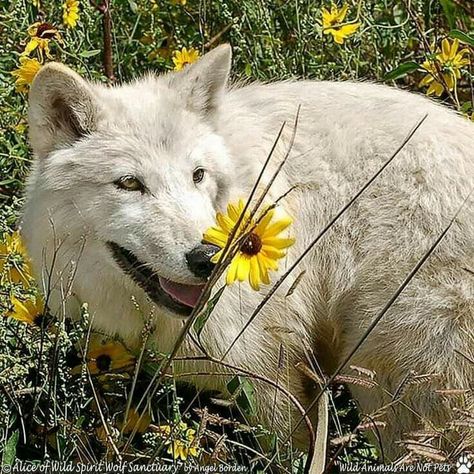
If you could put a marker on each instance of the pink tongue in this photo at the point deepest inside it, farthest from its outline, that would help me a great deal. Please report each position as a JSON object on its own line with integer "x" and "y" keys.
{"x": 186, "y": 294}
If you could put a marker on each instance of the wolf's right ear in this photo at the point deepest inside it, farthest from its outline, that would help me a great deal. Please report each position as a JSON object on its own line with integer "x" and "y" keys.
{"x": 202, "y": 83}
{"x": 62, "y": 109}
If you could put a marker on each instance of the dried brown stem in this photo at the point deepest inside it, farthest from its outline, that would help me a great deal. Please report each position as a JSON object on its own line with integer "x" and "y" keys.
{"x": 105, "y": 9}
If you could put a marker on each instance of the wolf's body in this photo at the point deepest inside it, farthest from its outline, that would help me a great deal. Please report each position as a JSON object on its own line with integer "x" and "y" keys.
{"x": 86, "y": 136}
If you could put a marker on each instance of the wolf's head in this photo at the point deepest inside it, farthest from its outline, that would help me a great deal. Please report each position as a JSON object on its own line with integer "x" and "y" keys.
{"x": 138, "y": 170}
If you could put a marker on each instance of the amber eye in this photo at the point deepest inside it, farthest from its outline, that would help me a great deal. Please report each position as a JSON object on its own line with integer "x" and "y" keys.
{"x": 130, "y": 183}
{"x": 198, "y": 175}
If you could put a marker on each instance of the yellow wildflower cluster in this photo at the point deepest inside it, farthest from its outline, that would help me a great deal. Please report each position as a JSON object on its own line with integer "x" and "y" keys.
{"x": 181, "y": 440}
{"x": 71, "y": 13}
{"x": 184, "y": 57}
{"x": 26, "y": 72}
{"x": 14, "y": 262}
{"x": 108, "y": 356}
{"x": 333, "y": 23}
{"x": 15, "y": 268}
{"x": 444, "y": 69}
{"x": 40, "y": 36}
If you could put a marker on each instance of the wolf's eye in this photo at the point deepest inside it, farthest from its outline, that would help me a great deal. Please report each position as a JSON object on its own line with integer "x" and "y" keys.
{"x": 198, "y": 175}
{"x": 130, "y": 183}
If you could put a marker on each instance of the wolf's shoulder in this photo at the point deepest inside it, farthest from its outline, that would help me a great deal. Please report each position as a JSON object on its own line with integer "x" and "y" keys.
{"x": 351, "y": 111}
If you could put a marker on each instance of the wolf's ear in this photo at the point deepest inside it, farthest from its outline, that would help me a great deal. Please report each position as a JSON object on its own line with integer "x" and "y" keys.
{"x": 202, "y": 83}
{"x": 62, "y": 109}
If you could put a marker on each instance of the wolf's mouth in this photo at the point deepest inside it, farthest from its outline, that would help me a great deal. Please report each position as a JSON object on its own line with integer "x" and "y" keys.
{"x": 177, "y": 297}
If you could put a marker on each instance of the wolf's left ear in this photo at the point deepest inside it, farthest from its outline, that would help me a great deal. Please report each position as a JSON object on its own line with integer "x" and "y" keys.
{"x": 202, "y": 83}
{"x": 62, "y": 109}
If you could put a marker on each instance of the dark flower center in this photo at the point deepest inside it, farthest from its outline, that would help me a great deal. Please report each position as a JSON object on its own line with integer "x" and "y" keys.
{"x": 46, "y": 31}
{"x": 103, "y": 362}
{"x": 251, "y": 245}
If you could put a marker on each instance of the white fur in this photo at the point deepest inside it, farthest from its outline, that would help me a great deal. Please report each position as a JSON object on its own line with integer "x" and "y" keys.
{"x": 161, "y": 128}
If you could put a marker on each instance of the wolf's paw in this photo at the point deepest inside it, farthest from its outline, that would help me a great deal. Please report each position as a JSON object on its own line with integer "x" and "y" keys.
{"x": 464, "y": 465}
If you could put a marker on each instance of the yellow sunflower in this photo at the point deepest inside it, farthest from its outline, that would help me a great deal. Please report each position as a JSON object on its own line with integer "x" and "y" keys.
{"x": 333, "y": 23}
{"x": 40, "y": 36}
{"x": 184, "y": 442}
{"x": 103, "y": 357}
{"x": 25, "y": 74}
{"x": 184, "y": 57}
{"x": 447, "y": 61}
{"x": 71, "y": 13}
{"x": 15, "y": 265}
{"x": 260, "y": 250}
{"x": 29, "y": 311}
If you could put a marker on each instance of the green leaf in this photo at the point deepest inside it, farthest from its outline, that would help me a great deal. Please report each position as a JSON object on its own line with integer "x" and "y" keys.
{"x": 204, "y": 316}
{"x": 401, "y": 71}
{"x": 449, "y": 8}
{"x": 9, "y": 452}
{"x": 463, "y": 37}
{"x": 466, "y": 107}
{"x": 89, "y": 54}
{"x": 244, "y": 393}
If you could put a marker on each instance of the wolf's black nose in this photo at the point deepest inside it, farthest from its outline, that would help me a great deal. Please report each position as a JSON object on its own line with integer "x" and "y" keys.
{"x": 199, "y": 259}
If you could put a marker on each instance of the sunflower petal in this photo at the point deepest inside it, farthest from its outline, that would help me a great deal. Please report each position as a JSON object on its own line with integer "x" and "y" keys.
{"x": 233, "y": 211}
{"x": 225, "y": 222}
{"x": 272, "y": 252}
{"x": 446, "y": 49}
{"x": 268, "y": 261}
{"x": 427, "y": 80}
{"x": 254, "y": 274}
{"x": 217, "y": 256}
{"x": 454, "y": 48}
{"x": 341, "y": 14}
{"x": 243, "y": 269}
{"x": 232, "y": 271}
{"x": 263, "y": 270}
{"x": 278, "y": 227}
{"x": 348, "y": 30}
{"x": 338, "y": 37}
{"x": 31, "y": 46}
{"x": 278, "y": 242}
{"x": 262, "y": 225}
{"x": 327, "y": 17}
{"x": 216, "y": 236}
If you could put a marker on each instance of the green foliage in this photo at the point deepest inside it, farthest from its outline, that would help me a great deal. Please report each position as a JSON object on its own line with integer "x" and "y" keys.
{"x": 402, "y": 71}
{"x": 242, "y": 391}
{"x": 204, "y": 316}
{"x": 9, "y": 453}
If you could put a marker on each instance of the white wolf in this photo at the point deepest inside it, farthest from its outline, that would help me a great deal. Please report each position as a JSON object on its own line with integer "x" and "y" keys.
{"x": 127, "y": 178}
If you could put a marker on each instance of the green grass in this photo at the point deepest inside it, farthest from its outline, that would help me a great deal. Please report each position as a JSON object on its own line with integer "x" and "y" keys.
{"x": 48, "y": 409}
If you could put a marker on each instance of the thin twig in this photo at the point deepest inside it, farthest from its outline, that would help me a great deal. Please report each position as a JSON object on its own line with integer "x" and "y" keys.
{"x": 216, "y": 37}
{"x": 105, "y": 9}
